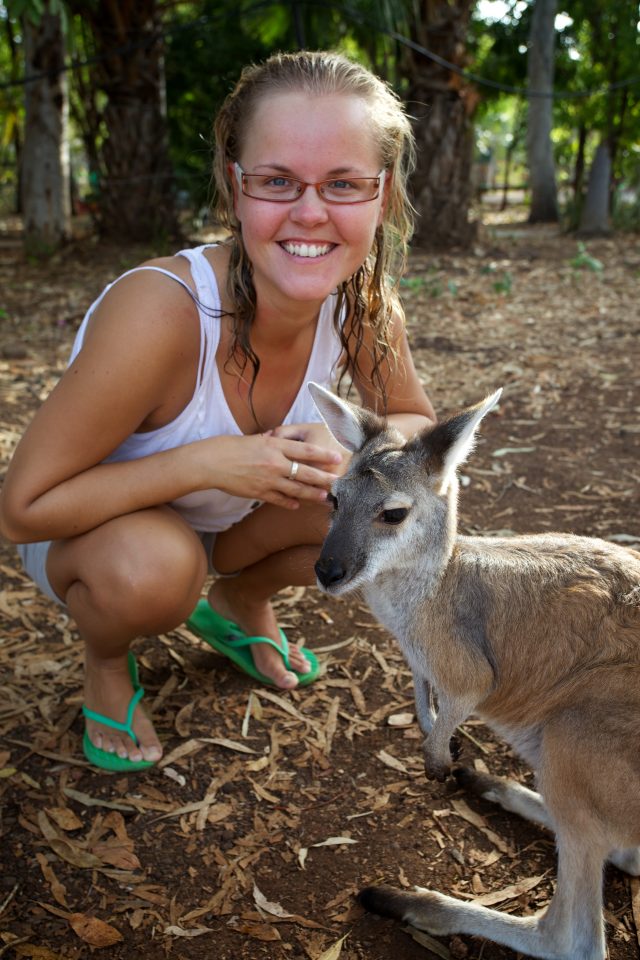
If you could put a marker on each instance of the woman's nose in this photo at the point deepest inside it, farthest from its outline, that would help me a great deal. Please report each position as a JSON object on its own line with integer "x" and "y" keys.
{"x": 309, "y": 207}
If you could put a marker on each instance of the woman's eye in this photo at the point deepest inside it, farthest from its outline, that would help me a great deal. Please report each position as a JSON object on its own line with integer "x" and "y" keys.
{"x": 394, "y": 516}
{"x": 276, "y": 182}
{"x": 341, "y": 185}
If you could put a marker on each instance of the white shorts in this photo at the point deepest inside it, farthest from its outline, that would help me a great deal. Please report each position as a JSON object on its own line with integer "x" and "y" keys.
{"x": 34, "y": 561}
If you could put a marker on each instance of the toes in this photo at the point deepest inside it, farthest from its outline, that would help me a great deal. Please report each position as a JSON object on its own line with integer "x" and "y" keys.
{"x": 152, "y": 753}
{"x": 286, "y": 681}
{"x": 298, "y": 660}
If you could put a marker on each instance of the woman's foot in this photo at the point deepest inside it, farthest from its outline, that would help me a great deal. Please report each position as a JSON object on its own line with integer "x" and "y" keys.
{"x": 257, "y": 619}
{"x": 108, "y": 690}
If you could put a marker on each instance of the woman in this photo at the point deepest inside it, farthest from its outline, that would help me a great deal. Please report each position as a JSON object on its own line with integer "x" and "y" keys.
{"x": 182, "y": 434}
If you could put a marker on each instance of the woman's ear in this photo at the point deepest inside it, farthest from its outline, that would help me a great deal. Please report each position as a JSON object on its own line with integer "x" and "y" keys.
{"x": 386, "y": 193}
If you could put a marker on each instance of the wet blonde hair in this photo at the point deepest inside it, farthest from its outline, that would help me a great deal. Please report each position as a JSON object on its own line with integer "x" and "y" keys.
{"x": 370, "y": 295}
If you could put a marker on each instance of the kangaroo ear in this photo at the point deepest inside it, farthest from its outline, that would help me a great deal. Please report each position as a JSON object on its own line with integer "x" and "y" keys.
{"x": 450, "y": 442}
{"x": 351, "y": 426}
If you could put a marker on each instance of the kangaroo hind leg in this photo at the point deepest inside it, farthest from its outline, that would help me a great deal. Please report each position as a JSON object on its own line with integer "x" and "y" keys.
{"x": 626, "y": 860}
{"x": 571, "y": 928}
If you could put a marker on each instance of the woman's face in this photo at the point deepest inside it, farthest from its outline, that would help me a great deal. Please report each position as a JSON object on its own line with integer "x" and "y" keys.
{"x": 311, "y": 138}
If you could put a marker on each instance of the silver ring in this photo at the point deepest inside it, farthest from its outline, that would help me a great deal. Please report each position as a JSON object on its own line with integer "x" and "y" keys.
{"x": 293, "y": 473}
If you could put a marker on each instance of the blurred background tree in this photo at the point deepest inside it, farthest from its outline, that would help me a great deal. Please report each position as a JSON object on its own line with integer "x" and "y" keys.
{"x": 145, "y": 77}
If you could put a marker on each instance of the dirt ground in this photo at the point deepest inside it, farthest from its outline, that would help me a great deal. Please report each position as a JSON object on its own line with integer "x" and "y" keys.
{"x": 269, "y": 811}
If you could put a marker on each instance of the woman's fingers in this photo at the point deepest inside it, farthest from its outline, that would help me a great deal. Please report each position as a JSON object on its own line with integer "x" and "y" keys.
{"x": 309, "y": 479}
{"x": 302, "y": 452}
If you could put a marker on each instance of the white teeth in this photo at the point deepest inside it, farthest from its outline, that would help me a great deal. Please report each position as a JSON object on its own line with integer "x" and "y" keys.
{"x": 307, "y": 249}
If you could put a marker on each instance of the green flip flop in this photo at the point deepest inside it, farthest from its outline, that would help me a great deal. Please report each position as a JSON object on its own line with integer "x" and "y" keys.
{"x": 231, "y": 641}
{"x": 111, "y": 761}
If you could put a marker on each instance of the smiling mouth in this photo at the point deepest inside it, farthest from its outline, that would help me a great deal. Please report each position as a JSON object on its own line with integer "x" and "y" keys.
{"x": 309, "y": 250}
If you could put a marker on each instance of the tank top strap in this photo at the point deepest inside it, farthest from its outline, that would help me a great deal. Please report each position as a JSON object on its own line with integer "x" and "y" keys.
{"x": 209, "y": 306}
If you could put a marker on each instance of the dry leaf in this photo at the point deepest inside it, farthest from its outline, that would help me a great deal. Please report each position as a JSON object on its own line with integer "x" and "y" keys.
{"x": 58, "y": 889}
{"x": 175, "y": 931}
{"x": 273, "y": 908}
{"x": 117, "y": 854}
{"x": 183, "y": 716}
{"x": 508, "y": 893}
{"x": 400, "y": 719}
{"x": 88, "y": 801}
{"x": 334, "y": 842}
{"x": 426, "y": 940}
{"x": 65, "y": 818}
{"x": 219, "y": 811}
{"x": 93, "y": 931}
{"x": 182, "y": 750}
{"x": 392, "y": 762}
{"x": 334, "y": 951}
{"x": 64, "y": 847}
{"x": 229, "y": 744}
{"x": 255, "y": 766}
{"x": 259, "y": 931}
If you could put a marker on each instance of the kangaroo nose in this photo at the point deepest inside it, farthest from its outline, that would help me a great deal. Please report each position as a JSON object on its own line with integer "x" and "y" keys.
{"x": 329, "y": 571}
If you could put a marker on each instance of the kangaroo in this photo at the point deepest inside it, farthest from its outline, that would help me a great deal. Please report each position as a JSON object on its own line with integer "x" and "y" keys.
{"x": 538, "y": 635}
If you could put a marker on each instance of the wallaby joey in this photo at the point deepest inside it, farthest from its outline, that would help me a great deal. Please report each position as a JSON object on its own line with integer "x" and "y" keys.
{"x": 538, "y": 635}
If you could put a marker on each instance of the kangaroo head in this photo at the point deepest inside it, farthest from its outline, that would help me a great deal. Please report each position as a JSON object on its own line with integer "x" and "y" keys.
{"x": 395, "y": 507}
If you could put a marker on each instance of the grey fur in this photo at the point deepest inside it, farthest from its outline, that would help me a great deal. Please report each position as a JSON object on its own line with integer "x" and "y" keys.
{"x": 539, "y": 635}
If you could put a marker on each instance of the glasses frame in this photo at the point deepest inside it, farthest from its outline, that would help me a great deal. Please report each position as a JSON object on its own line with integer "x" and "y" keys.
{"x": 242, "y": 176}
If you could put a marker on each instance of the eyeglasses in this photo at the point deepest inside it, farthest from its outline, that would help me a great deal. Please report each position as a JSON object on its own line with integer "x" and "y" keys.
{"x": 281, "y": 188}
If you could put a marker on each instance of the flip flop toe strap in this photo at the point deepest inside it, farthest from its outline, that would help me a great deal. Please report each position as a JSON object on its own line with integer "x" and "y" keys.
{"x": 282, "y": 650}
{"x": 116, "y": 724}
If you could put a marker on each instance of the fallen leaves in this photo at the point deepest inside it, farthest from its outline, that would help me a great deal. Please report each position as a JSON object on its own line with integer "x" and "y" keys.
{"x": 252, "y": 779}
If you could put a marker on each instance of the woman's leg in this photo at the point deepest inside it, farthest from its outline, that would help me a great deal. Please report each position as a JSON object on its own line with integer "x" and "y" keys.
{"x": 272, "y": 548}
{"x": 137, "y": 575}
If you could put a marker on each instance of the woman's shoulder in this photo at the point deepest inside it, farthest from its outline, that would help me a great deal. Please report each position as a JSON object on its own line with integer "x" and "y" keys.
{"x": 152, "y": 301}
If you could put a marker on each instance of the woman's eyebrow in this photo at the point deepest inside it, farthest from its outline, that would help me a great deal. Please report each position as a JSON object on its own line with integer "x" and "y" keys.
{"x": 335, "y": 172}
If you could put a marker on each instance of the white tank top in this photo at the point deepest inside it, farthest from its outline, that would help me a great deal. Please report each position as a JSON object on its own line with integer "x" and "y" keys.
{"x": 207, "y": 414}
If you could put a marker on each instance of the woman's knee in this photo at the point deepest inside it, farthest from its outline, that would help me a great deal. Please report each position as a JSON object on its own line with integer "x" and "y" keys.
{"x": 146, "y": 575}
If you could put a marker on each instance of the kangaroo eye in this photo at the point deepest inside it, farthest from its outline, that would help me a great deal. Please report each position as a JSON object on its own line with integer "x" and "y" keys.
{"x": 395, "y": 516}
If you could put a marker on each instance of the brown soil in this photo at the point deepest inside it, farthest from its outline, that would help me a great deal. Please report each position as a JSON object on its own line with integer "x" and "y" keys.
{"x": 222, "y": 851}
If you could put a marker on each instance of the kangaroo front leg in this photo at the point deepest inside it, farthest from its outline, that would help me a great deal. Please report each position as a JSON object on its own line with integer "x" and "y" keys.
{"x": 437, "y": 746}
{"x": 425, "y": 709}
{"x": 510, "y": 795}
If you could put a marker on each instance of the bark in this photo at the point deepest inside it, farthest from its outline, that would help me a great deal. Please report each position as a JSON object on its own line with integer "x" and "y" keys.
{"x": 595, "y": 213}
{"x": 136, "y": 194}
{"x": 45, "y": 156}
{"x": 442, "y": 187}
{"x": 578, "y": 173}
{"x": 542, "y": 177}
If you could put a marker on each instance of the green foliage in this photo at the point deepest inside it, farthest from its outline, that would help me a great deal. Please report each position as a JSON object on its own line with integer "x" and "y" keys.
{"x": 584, "y": 261}
{"x": 504, "y": 284}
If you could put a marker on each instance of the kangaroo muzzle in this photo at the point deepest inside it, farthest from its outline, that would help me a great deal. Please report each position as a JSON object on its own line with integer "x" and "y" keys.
{"x": 329, "y": 571}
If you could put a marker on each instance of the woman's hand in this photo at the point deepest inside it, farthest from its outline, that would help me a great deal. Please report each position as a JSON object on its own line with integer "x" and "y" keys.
{"x": 318, "y": 434}
{"x": 262, "y": 467}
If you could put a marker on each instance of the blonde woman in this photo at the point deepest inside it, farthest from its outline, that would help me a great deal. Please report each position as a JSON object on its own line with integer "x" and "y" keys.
{"x": 182, "y": 438}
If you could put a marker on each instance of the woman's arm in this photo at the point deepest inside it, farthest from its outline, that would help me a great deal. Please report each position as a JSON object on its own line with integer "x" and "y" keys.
{"x": 408, "y": 406}
{"x": 137, "y": 370}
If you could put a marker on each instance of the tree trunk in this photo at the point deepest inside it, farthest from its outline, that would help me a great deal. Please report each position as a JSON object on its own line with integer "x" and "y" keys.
{"x": 442, "y": 188}
{"x": 136, "y": 195}
{"x": 542, "y": 177}
{"x": 595, "y": 213}
{"x": 45, "y": 155}
{"x": 578, "y": 170}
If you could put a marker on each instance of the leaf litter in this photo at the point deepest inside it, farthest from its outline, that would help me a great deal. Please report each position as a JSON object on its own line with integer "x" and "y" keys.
{"x": 269, "y": 811}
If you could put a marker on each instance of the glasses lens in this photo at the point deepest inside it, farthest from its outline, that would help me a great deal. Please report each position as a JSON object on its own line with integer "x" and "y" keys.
{"x": 271, "y": 187}
{"x": 281, "y": 188}
{"x": 350, "y": 191}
